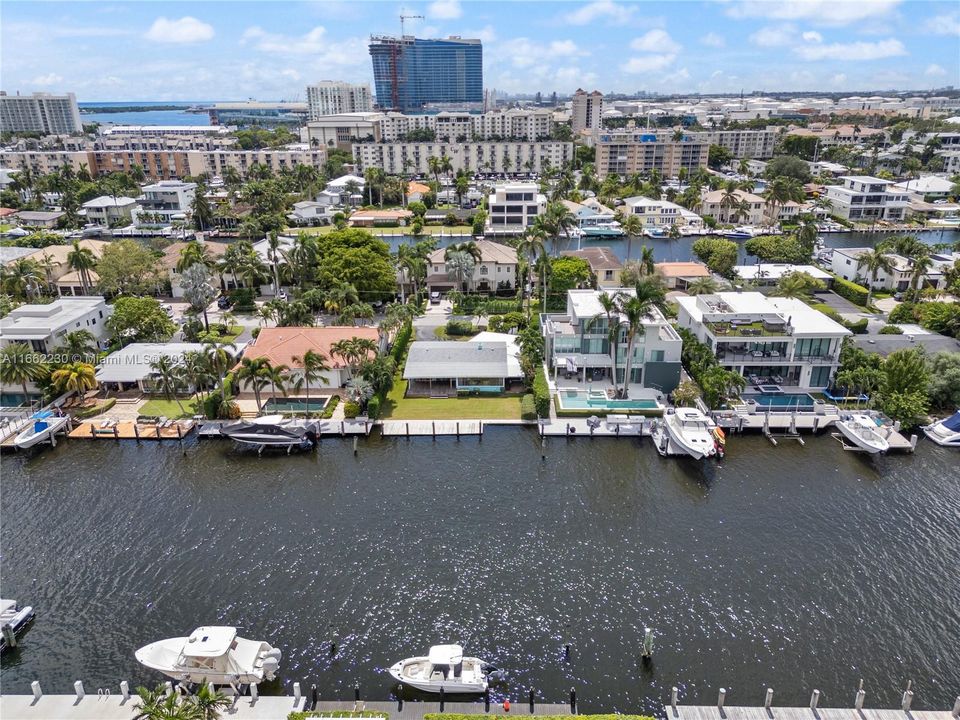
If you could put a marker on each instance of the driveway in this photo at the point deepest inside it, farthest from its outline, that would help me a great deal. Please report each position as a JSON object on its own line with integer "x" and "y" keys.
{"x": 434, "y": 317}
{"x": 840, "y": 304}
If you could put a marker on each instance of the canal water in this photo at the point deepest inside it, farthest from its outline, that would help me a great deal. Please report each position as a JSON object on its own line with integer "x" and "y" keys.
{"x": 791, "y": 567}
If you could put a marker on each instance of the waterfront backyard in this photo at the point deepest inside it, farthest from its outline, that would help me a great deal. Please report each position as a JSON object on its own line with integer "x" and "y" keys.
{"x": 398, "y": 407}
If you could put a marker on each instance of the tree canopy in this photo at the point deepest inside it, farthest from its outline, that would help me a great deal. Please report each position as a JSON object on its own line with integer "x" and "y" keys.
{"x": 140, "y": 319}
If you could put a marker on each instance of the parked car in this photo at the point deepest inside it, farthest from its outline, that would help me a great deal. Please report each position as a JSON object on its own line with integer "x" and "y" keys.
{"x": 224, "y": 302}
{"x": 435, "y": 298}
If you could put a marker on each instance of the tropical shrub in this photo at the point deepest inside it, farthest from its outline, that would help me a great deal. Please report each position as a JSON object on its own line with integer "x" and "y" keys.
{"x": 460, "y": 327}
{"x": 373, "y": 407}
{"x": 904, "y": 313}
{"x": 718, "y": 254}
{"x": 891, "y": 330}
{"x": 351, "y": 410}
{"x": 944, "y": 386}
{"x": 401, "y": 342}
{"x": 857, "y": 328}
{"x": 243, "y": 299}
{"x": 330, "y": 407}
{"x": 528, "y": 407}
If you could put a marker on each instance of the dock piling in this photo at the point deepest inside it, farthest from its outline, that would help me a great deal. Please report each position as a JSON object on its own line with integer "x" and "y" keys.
{"x": 486, "y": 700}
{"x": 647, "y": 643}
{"x": 168, "y": 688}
{"x": 125, "y": 690}
{"x": 532, "y": 706}
{"x": 907, "y": 698}
{"x": 721, "y": 697}
{"x": 356, "y": 692}
{"x": 814, "y": 699}
{"x": 354, "y": 444}
{"x": 573, "y": 701}
{"x": 673, "y": 698}
{"x": 313, "y": 697}
{"x": 566, "y": 652}
{"x": 35, "y": 686}
{"x": 768, "y": 701}
{"x": 956, "y": 707}
{"x": 399, "y": 703}
{"x": 913, "y": 443}
{"x": 442, "y": 698}
{"x": 296, "y": 694}
{"x": 860, "y": 697}
{"x": 9, "y": 635}
{"x": 78, "y": 688}
{"x": 253, "y": 692}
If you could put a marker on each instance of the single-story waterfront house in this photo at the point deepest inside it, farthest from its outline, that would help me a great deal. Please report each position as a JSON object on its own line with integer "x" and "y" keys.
{"x": 678, "y": 275}
{"x": 448, "y": 368}
{"x": 770, "y": 273}
{"x": 131, "y": 366}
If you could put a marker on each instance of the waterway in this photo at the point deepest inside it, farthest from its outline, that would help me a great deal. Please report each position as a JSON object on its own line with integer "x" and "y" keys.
{"x": 793, "y": 567}
{"x": 145, "y": 116}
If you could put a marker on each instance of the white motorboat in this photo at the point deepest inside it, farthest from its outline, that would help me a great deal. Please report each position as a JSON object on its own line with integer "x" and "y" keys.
{"x": 212, "y": 654}
{"x": 44, "y": 424}
{"x": 13, "y": 620}
{"x": 444, "y": 668}
{"x": 692, "y": 432}
{"x": 861, "y": 430}
{"x": 946, "y": 432}
{"x": 271, "y": 430}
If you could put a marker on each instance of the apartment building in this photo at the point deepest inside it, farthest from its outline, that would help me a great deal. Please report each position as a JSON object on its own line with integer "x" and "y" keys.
{"x": 171, "y": 199}
{"x": 578, "y": 341}
{"x": 862, "y": 198}
{"x": 341, "y": 131}
{"x": 749, "y": 209}
{"x": 496, "y": 270}
{"x": 215, "y": 162}
{"x": 586, "y": 110}
{"x": 513, "y": 207}
{"x": 625, "y": 153}
{"x": 748, "y": 144}
{"x": 768, "y": 340}
{"x": 106, "y": 210}
{"x": 331, "y": 97}
{"x": 260, "y": 114}
{"x": 46, "y": 161}
{"x": 661, "y": 214}
{"x": 40, "y": 112}
{"x": 148, "y": 131}
{"x": 484, "y": 157}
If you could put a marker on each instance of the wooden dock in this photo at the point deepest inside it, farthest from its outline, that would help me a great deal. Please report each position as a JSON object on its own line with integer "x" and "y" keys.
{"x": 96, "y": 430}
{"x": 430, "y": 428}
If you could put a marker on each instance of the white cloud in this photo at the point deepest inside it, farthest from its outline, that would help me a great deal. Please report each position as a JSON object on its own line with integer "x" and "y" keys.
{"x": 524, "y": 53}
{"x": 486, "y": 34}
{"x": 934, "y": 70}
{"x": 656, "y": 41}
{"x": 185, "y": 30}
{"x": 444, "y": 10}
{"x": 944, "y": 24}
{"x": 821, "y": 12}
{"x": 48, "y": 79}
{"x": 812, "y": 36}
{"x": 614, "y": 12}
{"x": 712, "y": 39}
{"x": 308, "y": 44}
{"x": 647, "y": 63}
{"x": 852, "y": 51}
{"x": 838, "y": 80}
{"x": 774, "y": 36}
{"x": 564, "y": 47}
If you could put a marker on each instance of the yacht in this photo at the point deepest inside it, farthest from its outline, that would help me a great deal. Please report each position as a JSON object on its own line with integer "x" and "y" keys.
{"x": 741, "y": 232}
{"x": 861, "y": 430}
{"x": 212, "y": 654}
{"x": 691, "y": 432}
{"x": 271, "y": 430}
{"x": 444, "y": 668}
{"x": 14, "y": 621}
{"x": 946, "y": 432}
{"x": 43, "y": 425}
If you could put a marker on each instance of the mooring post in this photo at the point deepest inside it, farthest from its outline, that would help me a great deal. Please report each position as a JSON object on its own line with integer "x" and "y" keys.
{"x": 408, "y": 430}
{"x": 343, "y": 429}
{"x": 78, "y": 688}
{"x": 313, "y": 697}
{"x": 573, "y": 701}
{"x": 442, "y": 698}
{"x": 566, "y": 652}
{"x": 768, "y": 701}
{"x": 532, "y": 709}
{"x": 253, "y": 692}
{"x": 333, "y": 640}
{"x": 647, "y": 643}
{"x": 35, "y": 686}
{"x": 860, "y": 696}
{"x": 296, "y": 694}
{"x": 458, "y": 429}
{"x": 168, "y": 688}
{"x": 433, "y": 428}
{"x": 907, "y": 697}
{"x": 814, "y": 699}
{"x": 136, "y": 432}
{"x": 721, "y": 697}
{"x": 125, "y": 690}
{"x": 486, "y": 700}
{"x": 9, "y": 635}
{"x": 354, "y": 444}
{"x": 356, "y": 692}
{"x": 399, "y": 703}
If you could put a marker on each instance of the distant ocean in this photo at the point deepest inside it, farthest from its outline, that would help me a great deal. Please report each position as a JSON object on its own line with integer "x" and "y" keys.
{"x": 146, "y": 117}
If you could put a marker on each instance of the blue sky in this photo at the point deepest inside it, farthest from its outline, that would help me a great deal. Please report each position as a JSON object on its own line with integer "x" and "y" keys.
{"x": 271, "y": 50}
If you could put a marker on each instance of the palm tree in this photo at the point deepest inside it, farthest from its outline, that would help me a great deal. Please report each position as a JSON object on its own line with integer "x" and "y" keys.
{"x": 192, "y": 253}
{"x": 314, "y": 364}
{"x": 75, "y": 377}
{"x": 82, "y": 260}
{"x": 730, "y": 199}
{"x": 277, "y": 376}
{"x": 157, "y": 705}
{"x": 612, "y": 313}
{"x": 634, "y": 310}
{"x": 78, "y": 344}
{"x": 22, "y": 278}
{"x": 646, "y": 261}
{"x": 19, "y": 364}
{"x": 531, "y": 247}
{"x": 338, "y": 297}
{"x": 436, "y": 167}
{"x": 873, "y": 261}
{"x": 919, "y": 267}
{"x": 560, "y": 221}
{"x": 273, "y": 255}
{"x": 462, "y": 186}
{"x": 170, "y": 378}
{"x": 702, "y": 286}
{"x": 632, "y": 226}
{"x": 255, "y": 373}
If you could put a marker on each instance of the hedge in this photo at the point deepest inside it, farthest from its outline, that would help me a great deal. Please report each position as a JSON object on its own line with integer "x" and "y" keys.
{"x": 891, "y": 330}
{"x": 401, "y": 342}
{"x": 95, "y": 410}
{"x": 528, "y": 407}
{"x": 330, "y": 407}
{"x": 853, "y": 292}
{"x": 858, "y": 328}
{"x": 460, "y": 327}
{"x": 373, "y": 408}
{"x": 351, "y": 410}
{"x": 243, "y": 299}
{"x": 541, "y": 393}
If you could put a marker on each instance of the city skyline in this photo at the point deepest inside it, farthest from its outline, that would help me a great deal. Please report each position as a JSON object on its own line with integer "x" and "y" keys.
{"x": 106, "y": 51}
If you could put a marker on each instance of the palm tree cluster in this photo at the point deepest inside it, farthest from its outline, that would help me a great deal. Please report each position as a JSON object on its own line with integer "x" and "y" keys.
{"x": 201, "y": 370}
{"x": 156, "y": 704}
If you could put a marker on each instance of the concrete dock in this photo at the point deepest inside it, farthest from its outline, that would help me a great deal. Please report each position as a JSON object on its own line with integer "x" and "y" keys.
{"x": 632, "y": 426}
{"x": 430, "y": 428}
{"x": 712, "y": 712}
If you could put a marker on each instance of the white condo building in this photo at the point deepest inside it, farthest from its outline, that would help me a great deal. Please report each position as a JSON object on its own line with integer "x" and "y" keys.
{"x": 513, "y": 207}
{"x": 769, "y": 340}
{"x": 330, "y": 97}
{"x": 586, "y": 110}
{"x": 403, "y": 158}
{"x": 41, "y": 112}
{"x": 862, "y": 198}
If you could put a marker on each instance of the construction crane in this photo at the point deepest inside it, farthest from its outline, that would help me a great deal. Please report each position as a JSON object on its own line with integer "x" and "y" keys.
{"x": 404, "y": 18}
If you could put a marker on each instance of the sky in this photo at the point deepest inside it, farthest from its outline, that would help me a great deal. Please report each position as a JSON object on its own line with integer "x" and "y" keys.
{"x": 112, "y": 51}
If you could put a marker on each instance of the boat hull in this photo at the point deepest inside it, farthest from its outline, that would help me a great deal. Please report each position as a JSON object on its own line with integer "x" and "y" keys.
{"x": 868, "y": 441}
{"x": 164, "y": 656}
{"x": 30, "y": 437}
{"x": 449, "y": 685}
{"x": 953, "y": 441}
{"x": 698, "y": 444}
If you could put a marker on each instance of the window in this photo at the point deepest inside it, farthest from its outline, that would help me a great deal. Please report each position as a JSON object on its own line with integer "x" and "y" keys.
{"x": 484, "y": 270}
{"x": 820, "y": 376}
{"x": 656, "y": 356}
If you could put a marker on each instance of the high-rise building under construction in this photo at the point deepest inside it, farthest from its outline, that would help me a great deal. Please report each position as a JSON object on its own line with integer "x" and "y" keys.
{"x": 410, "y": 73}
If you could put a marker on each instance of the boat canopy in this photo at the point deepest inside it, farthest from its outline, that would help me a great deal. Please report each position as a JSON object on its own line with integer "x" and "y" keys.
{"x": 42, "y": 415}
{"x": 953, "y": 422}
{"x": 212, "y": 641}
{"x": 269, "y": 420}
{"x": 446, "y": 655}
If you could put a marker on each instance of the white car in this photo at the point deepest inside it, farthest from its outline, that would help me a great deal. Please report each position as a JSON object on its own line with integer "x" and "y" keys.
{"x": 435, "y": 298}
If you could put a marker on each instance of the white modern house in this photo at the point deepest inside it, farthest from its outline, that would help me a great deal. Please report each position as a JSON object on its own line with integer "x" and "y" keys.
{"x": 661, "y": 214}
{"x": 771, "y": 273}
{"x": 170, "y": 199}
{"x": 595, "y": 220}
{"x": 337, "y": 191}
{"x": 107, "y": 210}
{"x": 773, "y": 342}
{"x": 862, "y": 198}
{"x": 513, "y": 207}
{"x": 847, "y": 264}
{"x": 496, "y": 270}
{"x": 577, "y": 344}
{"x": 749, "y": 209}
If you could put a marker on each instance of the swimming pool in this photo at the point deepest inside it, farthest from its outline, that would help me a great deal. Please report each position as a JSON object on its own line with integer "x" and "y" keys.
{"x": 597, "y": 400}
{"x": 786, "y": 401}
{"x": 294, "y": 405}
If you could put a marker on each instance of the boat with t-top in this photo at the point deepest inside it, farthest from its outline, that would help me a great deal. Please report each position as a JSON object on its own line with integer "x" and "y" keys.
{"x": 444, "y": 668}
{"x": 862, "y": 430}
{"x": 687, "y": 431}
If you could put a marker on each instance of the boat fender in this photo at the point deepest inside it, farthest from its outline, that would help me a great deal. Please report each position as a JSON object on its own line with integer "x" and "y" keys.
{"x": 506, "y": 705}
{"x": 270, "y": 667}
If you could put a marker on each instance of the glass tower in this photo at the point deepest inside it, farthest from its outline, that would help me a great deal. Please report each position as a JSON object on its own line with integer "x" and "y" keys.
{"x": 409, "y": 72}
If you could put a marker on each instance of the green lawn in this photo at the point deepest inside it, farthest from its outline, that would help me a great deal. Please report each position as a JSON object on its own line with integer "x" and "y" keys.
{"x": 159, "y": 407}
{"x": 233, "y": 332}
{"x": 441, "y": 334}
{"x": 397, "y": 407}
